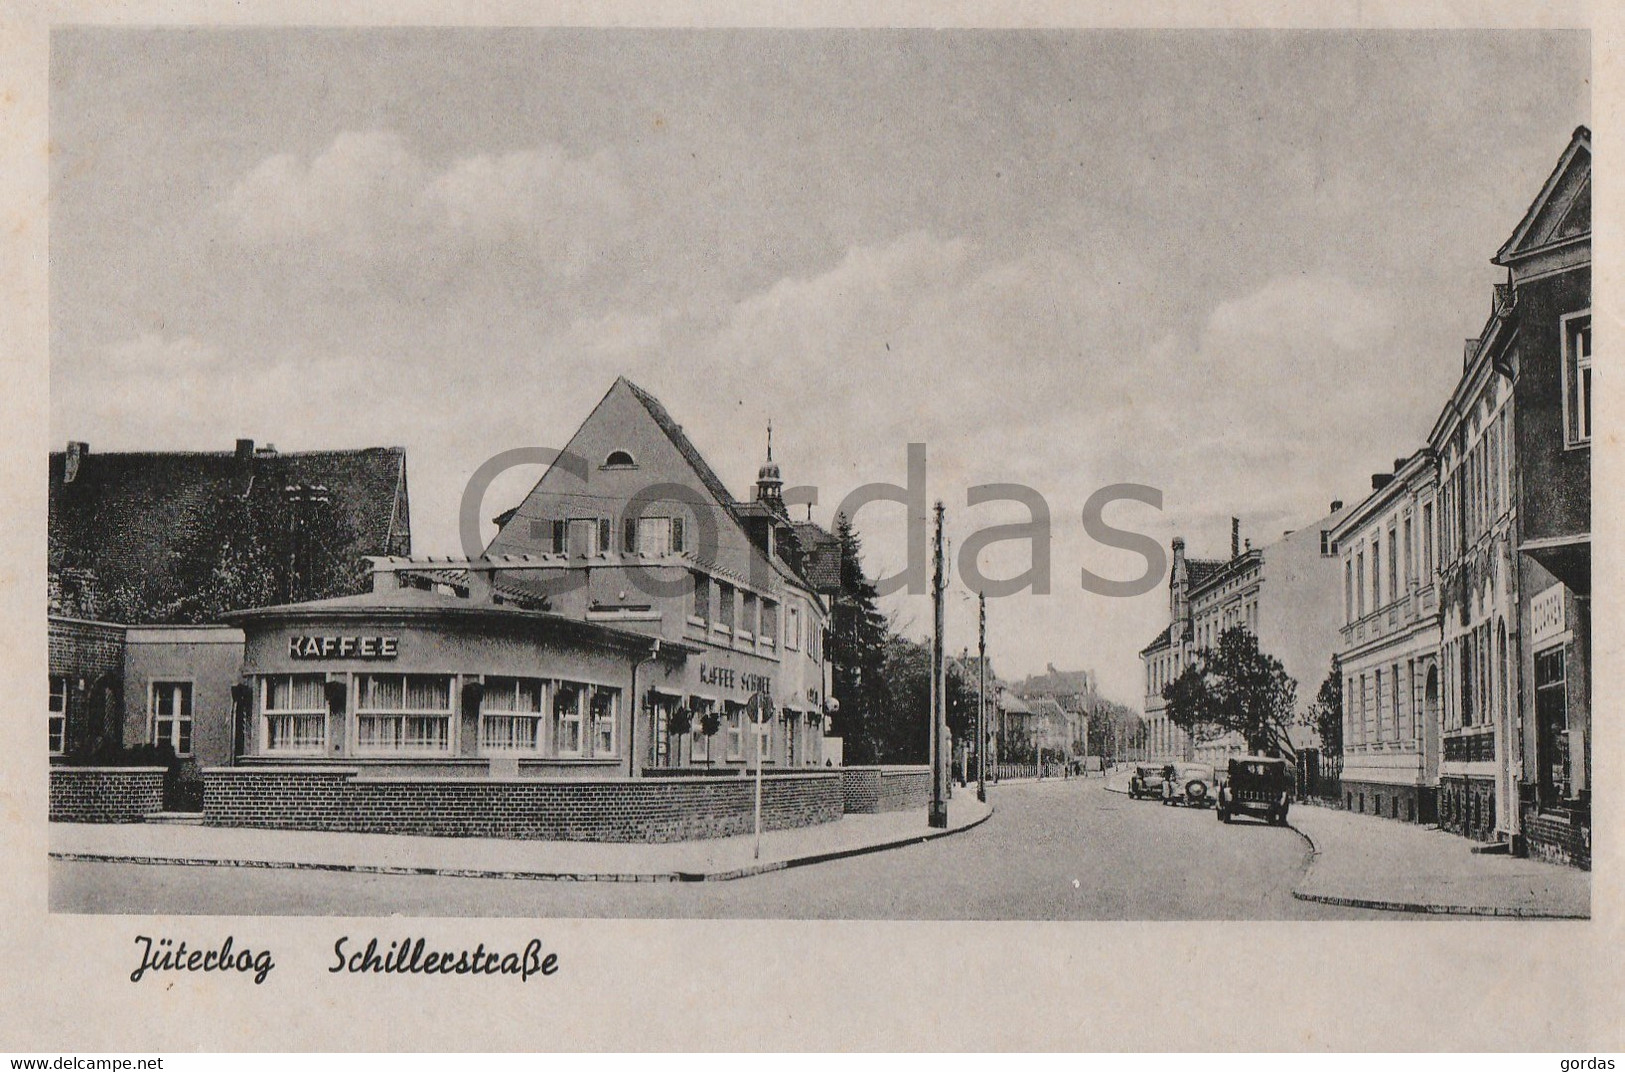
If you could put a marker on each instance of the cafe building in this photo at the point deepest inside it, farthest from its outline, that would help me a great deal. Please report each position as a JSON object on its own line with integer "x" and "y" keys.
{"x": 631, "y": 637}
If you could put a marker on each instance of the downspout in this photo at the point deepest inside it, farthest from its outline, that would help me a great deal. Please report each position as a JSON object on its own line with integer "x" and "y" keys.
{"x": 636, "y": 706}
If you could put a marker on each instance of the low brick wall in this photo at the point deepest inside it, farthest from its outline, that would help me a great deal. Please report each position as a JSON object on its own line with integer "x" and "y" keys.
{"x": 648, "y": 809}
{"x": 867, "y": 790}
{"x": 105, "y": 794}
{"x": 1558, "y": 837}
{"x": 1407, "y": 803}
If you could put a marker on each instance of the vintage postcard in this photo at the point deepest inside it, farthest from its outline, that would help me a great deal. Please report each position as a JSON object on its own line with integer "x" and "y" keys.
{"x": 628, "y": 514}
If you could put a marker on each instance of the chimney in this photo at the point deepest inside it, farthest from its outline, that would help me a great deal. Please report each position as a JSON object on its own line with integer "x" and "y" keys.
{"x": 481, "y": 584}
{"x": 1235, "y": 537}
{"x": 1381, "y": 480}
{"x": 1337, "y": 504}
{"x": 71, "y": 461}
{"x": 245, "y": 449}
{"x": 1399, "y": 463}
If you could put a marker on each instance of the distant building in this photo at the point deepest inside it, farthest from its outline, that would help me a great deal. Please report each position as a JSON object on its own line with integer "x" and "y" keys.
{"x": 1285, "y": 594}
{"x": 1389, "y": 652}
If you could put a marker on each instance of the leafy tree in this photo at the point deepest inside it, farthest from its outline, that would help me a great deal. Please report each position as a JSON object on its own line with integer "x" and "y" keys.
{"x": 857, "y": 649}
{"x": 1235, "y": 688}
{"x": 901, "y": 725}
{"x": 1325, "y": 715}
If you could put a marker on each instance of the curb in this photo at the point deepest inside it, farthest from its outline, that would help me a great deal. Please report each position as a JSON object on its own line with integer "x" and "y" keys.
{"x": 529, "y": 876}
{"x": 1416, "y": 907}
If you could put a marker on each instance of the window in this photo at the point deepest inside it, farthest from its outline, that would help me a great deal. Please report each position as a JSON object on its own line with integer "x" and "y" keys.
{"x": 1577, "y": 377}
{"x": 1359, "y": 585}
{"x": 1410, "y": 553}
{"x": 1348, "y": 590}
{"x": 725, "y": 607}
{"x": 770, "y": 623}
{"x": 172, "y": 715}
{"x": 1427, "y": 543}
{"x": 736, "y": 731}
{"x": 1376, "y": 574}
{"x": 605, "y": 705}
{"x": 1393, "y": 706}
{"x": 653, "y": 537}
{"x": 1466, "y": 646}
{"x": 1377, "y": 705}
{"x": 403, "y": 712}
{"x": 57, "y": 717}
{"x": 815, "y": 642}
{"x": 511, "y": 712}
{"x": 295, "y": 707}
{"x": 792, "y": 628}
{"x": 620, "y": 459}
{"x": 677, "y": 534}
{"x": 747, "y": 618}
{"x": 1327, "y": 549}
{"x": 700, "y": 608}
{"x": 568, "y": 703}
{"x": 584, "y": 535}
{"x": 560, "y": 529}
{"x": 1393, "y": 566}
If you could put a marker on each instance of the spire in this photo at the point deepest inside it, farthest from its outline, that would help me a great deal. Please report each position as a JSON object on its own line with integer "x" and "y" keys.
{"x": 769, "y": 482}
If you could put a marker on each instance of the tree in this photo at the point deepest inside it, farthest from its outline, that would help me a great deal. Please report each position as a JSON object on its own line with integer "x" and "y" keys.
{"x": 1325, "y": 715}
{"x": 1235, "y": 688}
{"x": 857, "y": 649}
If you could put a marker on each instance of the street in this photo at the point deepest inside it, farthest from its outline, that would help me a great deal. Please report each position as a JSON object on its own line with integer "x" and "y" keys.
{"x": 1054, "y": 850}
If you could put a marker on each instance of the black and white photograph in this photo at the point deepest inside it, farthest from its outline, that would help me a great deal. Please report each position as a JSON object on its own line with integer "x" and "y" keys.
{"x": 933, "y": 474}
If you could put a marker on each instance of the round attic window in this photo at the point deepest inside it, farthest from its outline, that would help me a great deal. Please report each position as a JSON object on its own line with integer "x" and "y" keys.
{"x": 619, "y": 459}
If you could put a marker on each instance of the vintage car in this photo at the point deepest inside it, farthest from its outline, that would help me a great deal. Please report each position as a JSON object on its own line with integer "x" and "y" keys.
{"x": 1256, "y": 785}
{"x": 1193, "y": 786}
{"x": 1146, "y": 781}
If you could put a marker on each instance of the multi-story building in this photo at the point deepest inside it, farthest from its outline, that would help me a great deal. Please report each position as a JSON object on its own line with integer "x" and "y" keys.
{"x": 1545, "y": 341}
{"x": 1285, "y": 594}
{"x": 1389, "y": 650}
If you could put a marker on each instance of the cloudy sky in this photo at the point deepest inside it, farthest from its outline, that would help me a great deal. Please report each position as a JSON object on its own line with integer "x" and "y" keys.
{"x": 1237, "y": 267}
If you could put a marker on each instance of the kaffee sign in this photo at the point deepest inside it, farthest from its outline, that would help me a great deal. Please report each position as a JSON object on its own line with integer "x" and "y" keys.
{"x": 343, "y": 647}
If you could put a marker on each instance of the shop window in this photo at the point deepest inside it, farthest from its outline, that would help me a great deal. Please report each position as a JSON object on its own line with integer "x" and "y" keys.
{"x": 295, "y": 707}
{"x": 605, "y": 705}
{"x": 403, "y": 712}
{"x": 700, "y": 745}
{"x": 700, "y": 608}
{"x": 1552, "y": 718}
{"x": 511, "y": 713}
{"x": 170, "y": 704}
{"x": 736, "y": 730}
{"x": 57, "y": 716}
{"x": 568, "y": 704}
{"x": 1577, "y": 377}
{"x": 770, "y": 623}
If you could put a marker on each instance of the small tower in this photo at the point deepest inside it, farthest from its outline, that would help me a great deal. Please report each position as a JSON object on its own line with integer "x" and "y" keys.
{"x": 769, "y": 482}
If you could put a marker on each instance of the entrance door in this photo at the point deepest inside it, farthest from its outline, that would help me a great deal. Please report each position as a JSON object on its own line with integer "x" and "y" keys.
{"x": 1430, "y": 728}
{"x": 1552, "y": 718}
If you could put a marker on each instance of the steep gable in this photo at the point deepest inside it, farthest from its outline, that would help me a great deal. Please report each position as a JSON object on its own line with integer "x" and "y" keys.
{"x": 1562, "y": 209}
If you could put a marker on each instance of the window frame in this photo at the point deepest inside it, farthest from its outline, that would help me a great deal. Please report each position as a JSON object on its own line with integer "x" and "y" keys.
{"x": 267, "y": 712}
{"x": 405, "y": 713}
{"x": 1576, "y": 389}
{"x": 57, "y": 716}
{"x": 176, "y": 719}
{"x": 538, "y": 718}
{"x": 595, "y": 721}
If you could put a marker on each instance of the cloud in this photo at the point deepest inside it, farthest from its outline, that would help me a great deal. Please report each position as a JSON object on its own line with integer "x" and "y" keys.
{"x": 368, "y": 196}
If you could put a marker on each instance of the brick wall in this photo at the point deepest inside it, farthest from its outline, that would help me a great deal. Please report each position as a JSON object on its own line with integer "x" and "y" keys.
{"x": 91, "y": 656}
{"x": 105, "y": 794}
{"x": 866, "y": 790}
{"x": 1558, "y": 837}
{"x": 1408, "y": 803}
{"x": 649, "y": 809}
{"x": 1467, "y": 807}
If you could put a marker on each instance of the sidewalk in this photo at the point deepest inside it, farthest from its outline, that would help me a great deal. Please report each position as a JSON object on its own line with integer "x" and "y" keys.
{"x": 1362, "y": 861}
{"x": 713, "y": 860}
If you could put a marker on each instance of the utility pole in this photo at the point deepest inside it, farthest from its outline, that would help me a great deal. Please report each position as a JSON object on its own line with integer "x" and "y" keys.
{"x": 981, "y": 697}
{"x": 938, "y": 816}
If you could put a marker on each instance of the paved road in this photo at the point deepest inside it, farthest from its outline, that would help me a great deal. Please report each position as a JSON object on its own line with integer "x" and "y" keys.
{"x": 1054, "y": 850}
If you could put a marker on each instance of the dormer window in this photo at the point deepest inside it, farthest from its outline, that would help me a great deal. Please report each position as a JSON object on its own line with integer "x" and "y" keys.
{"x": 620, "y": 459}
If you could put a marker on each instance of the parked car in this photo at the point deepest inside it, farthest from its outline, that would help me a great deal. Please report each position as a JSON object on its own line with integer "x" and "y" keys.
{"x": 1146, "y": 781}
{"x": 1193, "y": 786}
{"x": 1256, "y": 785}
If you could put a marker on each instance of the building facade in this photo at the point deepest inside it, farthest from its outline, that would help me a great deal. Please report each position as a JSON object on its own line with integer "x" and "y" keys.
{"x": 1389, "y": 651}
{"x": 1546, "y": 305}
{"x": 1285, "y": 594}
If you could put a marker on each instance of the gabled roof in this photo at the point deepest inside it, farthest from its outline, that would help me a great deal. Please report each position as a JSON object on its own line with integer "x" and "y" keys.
{"x": 124, "y": 514}
{"x": 680, "y": 440}
{"x": 1200, "y": 569}
{"x": 1562, "y": 209}
{"x": 821, "y": 555}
